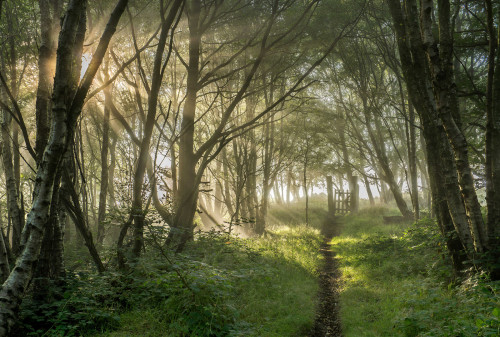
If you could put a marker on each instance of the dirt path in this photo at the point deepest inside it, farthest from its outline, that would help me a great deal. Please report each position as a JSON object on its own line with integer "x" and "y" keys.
{"x": 328, "y": 318}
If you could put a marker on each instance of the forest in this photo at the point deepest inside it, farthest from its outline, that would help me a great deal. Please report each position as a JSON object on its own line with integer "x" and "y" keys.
{"x": 250, "y": 168}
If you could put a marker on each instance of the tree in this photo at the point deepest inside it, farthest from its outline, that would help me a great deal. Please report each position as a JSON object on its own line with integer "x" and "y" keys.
{"x": 427, "y": 63}
{"x": 68, "y": 99}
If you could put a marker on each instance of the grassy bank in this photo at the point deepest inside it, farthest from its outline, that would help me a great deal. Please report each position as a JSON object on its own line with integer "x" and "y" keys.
{"x": 221, "y": 286}
{"x": 253, "y": 287}
{"x": 396, "y": 282}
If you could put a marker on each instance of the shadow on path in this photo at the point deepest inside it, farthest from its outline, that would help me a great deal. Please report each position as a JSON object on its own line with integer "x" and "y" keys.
{"x": 327, "y": 321}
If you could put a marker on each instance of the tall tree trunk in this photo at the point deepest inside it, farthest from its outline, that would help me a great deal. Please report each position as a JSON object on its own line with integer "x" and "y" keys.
{"x": 112, "y": 166}
{"x": 304, "y": 181}
{"x": 268, "y": 149}
{"x": 381, "y": 156}
{"x": 441, "y": 61}
{"x": 443, "y": 174}
{"x": 49, "y": 28}
{"x": 450, "y": 210}
{"x": 142, "y": 160}
{"x": 68, "y": 99}
{"x": 173, "y": 168}
{"x": 72, "y": 204}
{"x": 101, "y": 214}
{"x": 369, "y": 190}
{"x": 227, "y": 189}
{"x": 4, "y": 255}
{"x": 412, "y": 156}
{"x": 10, "y": 145}
{"x": 16, "y": 216}
{"x": 288, "y": 186}
{"x": 187, "y": 197}
{"x": 493, "y": 227}
{"x": 49, "y": 265}
{"x": 345, "y": 153}
{"x": 251, "y": 185}
{"x": 218, "y": 190}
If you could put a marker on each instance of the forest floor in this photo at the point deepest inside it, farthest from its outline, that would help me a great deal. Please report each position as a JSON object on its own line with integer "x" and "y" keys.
{"x": 327, "y": 322}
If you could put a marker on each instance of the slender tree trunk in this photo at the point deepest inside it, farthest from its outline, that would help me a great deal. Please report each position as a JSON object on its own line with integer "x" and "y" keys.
{"x": 252, "y": 179}
{"x": 185, "y": 206}
{"x": 345, "y": 153}
{"x": 268, "y": 149}
{"x": 493, "y": 228}
{"x": 49, "y": 28}
{"x": 101, "y": 214}
{"x": 450, "y": 210}
{"x": 412, "y": 156}
{"x": 288, "y": 186}
{"x": 447, "y": 109}
{"x": 112, "y": 166}
{"x": 16, "y": 216}
{"x": 369, "y": 190}
{"x": 72, "y": 204}
{"x": 4, "y": 255}
{"x": 277, "y": 195}
{"x": 140, "y": 170}
{"x": 173, "y": 168}
{"x": 227, "y": 189}
{"x": 306, "y": 194}
{"x": 383, "y": 161}
{"x": 218, "y": 190}
{"x": 68, "y": 99}
{"x": 49, "y": 265}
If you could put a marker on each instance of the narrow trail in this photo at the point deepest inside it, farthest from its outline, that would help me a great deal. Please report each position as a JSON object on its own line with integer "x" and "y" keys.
{"x": 327, "y": 321}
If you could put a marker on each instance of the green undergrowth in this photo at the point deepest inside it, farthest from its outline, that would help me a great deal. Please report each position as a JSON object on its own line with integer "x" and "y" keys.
{"x": 220, "y": 286}
{"x": 396, "y": 281}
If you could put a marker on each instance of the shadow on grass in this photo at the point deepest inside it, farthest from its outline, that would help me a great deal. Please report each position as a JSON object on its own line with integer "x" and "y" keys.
{"x": 242, "y": 287}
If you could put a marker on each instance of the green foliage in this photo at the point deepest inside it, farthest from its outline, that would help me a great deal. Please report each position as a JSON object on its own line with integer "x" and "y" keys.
{"x": 83, "y": 304}
{"x": 398, "y": 282}
{"x": 222, "y": 286}
{"x": 93, "y": 302}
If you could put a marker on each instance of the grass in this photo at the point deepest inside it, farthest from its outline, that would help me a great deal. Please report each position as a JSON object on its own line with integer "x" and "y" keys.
{"x": 396, "y": 282}
{"x": 246, "y": 287}
{"x": 294, "y": 214}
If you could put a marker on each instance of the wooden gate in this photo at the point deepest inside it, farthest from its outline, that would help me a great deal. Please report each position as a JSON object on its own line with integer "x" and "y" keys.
{"x": 342, "y": 202}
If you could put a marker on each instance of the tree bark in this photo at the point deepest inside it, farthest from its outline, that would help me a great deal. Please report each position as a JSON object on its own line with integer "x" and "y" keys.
{"x": 443, "y": 174}
{"x": 447, "y": 109}
{"x": 15, "y": 213}
{"x": 187, "y": 197}
{"x": 388, "y": 175}
{"x": 68, "y": 99}
{"x": 493, "y": 227}
{"x": 101, "y": 214}
{"x": 140, "y": 170}
{"x": 412, "y": 156}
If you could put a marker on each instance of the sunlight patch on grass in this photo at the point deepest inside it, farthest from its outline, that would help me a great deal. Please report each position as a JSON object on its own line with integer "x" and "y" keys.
{"x": 281, "y": 302}
{"x": 367, "y": 293}
{"x": 264, "y": 286}
{"x": 396, "y": 282}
